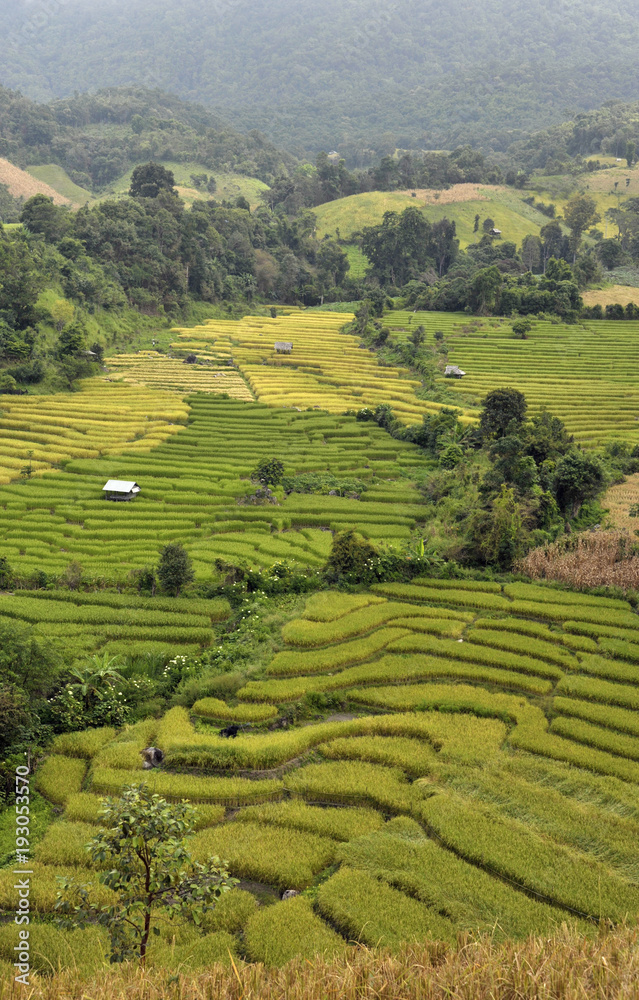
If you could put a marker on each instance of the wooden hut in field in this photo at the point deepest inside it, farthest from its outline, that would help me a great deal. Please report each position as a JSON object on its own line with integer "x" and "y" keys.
{"x": 119, "y": 489}
{"x": 283, "y": 346}
{"x": 453, "y": 371}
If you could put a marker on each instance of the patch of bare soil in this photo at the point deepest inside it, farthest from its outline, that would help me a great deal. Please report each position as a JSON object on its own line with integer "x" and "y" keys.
{"x": 23, "y": 185}
{"x": 458, "y": 192}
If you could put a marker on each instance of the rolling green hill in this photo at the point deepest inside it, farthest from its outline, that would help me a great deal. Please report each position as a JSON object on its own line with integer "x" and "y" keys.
{"x": 460, "y": 203}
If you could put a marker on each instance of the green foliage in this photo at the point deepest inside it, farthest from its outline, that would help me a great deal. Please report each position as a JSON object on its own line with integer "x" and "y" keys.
{"x": 145, "y": 837}
{"x": 269, "y": 472}
{"x": 501, "y": 409}
{"x": 279, "y": 933}
{"x": 149, "y": 179}
{"x": 349, "y": 557}
{"x": 174, "y": 568}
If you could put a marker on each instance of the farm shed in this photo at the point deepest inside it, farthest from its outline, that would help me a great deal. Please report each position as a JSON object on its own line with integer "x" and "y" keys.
{"x": 452, "y": 371}
{"x": 118, "y": 489}
{"x": 495, "y": 232}
{"x": 283, "y": 346}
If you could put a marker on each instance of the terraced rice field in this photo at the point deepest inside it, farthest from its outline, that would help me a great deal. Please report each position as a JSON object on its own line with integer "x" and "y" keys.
{"x": 326, "y": 369}
{"x": 99, "y": 420}
{"x": 118, "y": 624}
{"x": 152, "y": 369}
{"x": 190, "y": 486}
{"x": 487, "y": 778}
{"x": 585, "y": 373}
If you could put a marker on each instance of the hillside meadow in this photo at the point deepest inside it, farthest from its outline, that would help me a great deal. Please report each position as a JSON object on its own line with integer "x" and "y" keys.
{"x": 461, "y": 203}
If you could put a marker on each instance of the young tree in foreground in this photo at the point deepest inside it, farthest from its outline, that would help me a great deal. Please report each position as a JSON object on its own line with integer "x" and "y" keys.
{"x": 174, "y": 568}
{"x": 142, "y": 843}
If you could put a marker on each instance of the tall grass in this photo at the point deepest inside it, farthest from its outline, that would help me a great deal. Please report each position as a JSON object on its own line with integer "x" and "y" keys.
{"x": 564, "y": 966}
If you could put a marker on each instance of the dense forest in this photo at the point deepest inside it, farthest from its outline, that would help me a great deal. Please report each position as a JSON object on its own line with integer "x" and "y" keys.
{"x": 354, "y": 77}
{"x": 97, "y": 138}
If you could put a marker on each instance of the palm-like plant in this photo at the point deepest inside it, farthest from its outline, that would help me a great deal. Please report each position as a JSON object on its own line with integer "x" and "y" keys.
{"x": 92, "y": 681}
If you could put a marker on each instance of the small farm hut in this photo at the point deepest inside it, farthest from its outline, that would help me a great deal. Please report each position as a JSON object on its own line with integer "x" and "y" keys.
{"x": 452, "y": 371}
{"x": 495, "y": 232}
{"x": 283, "y": 346}
{"x": 118, "y": 489}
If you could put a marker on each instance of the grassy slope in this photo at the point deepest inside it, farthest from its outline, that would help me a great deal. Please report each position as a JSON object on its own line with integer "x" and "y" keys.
{"x": 504, "y": 205}
{"x": 229, "y": 185}
{"x": 57, "y": 178}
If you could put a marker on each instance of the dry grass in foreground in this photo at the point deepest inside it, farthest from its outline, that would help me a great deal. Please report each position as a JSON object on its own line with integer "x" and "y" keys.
{"x": 594, "y": 559}
{"x": 563, "y": 967}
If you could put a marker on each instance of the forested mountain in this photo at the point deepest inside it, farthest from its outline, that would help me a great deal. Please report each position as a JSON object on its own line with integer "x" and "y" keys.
{"x": 98, "y": 137}
{"x": 320, "y": 74}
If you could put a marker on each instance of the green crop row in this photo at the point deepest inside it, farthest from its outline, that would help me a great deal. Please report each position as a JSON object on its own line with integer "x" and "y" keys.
{"x": 338, "y": 824}
{"x": 64, "y": 844}
{"x": 302, "y": 632}
{"x": 215, "y": 609}
{"x": 276, "y": 855}
{"x": 367, "y": 910}
{"x": 44, "y": 888}
{"x": 525, "y": 644}
{"x": 389, "y": 669}
{"x": 215, "y": 708}
{"x": 595, "y": 736}
{"x": 623, "y": 719}
{"x": 328, "y": 605}
{"x": 401, "y": 854}
{"x": 589, "y": 613}
{"x": 58, "y": 777}
{"x": 610, "y": 837}
{"x": 268, "y": 750}
{"x": 352, "y": 783}
{"x": 447, "y": 627}
{"x": 536, "y": 740}
{"x": 54, "y": 950}
{"x": 479, "y": 586}
{"x": 614, "y": 670}
{"x": 85, "y": 743}
{"x": 553, "y": 595}
{"x": 175, "y": 787}
{"x": 466, "y": 598}
{"x": 470, "y": 652}
{"x": 276, "y": 934}
{"x": 412, "y": 756}
{"x": 289, "y": 662}
{"x": 602, "y": 691}
{"x": 627, "y": 650}
{"x": 39, "y": 610}
{"x": 481, "y": 835}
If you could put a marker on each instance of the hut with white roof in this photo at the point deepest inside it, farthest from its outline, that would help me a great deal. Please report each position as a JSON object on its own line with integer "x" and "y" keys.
{"x": 119, "y": 489}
